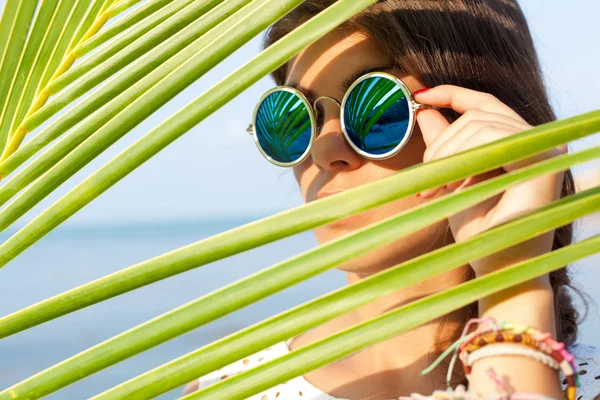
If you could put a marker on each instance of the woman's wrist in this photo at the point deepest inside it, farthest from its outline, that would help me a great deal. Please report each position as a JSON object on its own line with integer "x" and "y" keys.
{"x": 531, "y": 304}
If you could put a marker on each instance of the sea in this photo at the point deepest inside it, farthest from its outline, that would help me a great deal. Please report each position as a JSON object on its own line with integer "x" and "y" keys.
{"x": 75, "y": 254}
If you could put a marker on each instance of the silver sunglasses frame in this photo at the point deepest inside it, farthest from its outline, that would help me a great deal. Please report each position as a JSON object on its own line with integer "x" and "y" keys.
{"x": 413, "y": 107}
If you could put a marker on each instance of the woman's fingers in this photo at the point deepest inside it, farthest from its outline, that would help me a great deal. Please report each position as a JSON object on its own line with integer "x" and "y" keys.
{"x": 431, "y": 123}
{"x": 472, "y": 135}
{"x": 483, "y": 113}
{"x": 462, "y": 99}
{"x": 473, "y": 117}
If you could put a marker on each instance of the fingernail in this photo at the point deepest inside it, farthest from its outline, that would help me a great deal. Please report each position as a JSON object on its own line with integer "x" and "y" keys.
{"x": 445, "y": 186}
{"x": 421, "y": 91}
{"x": 418, "y": 194}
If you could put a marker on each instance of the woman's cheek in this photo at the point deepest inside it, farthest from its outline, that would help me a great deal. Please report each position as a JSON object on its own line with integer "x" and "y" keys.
{"x": 305, "y": 173}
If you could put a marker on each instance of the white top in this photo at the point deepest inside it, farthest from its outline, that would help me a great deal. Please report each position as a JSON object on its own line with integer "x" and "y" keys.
{"x": 587, "y": 359}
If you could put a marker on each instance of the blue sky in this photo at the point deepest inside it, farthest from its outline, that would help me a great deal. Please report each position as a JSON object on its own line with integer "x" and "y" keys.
{"x": 215, "y": 170}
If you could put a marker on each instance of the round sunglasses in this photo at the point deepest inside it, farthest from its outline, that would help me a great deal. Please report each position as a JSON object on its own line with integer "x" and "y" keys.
{"x": 377, "y": 115}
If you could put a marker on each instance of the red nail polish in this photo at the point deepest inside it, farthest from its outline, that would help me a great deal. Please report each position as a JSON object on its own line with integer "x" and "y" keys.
{"x": 445, "y": 186}
{"x": 418, "y": 194}
{"x": 420, "y": 91}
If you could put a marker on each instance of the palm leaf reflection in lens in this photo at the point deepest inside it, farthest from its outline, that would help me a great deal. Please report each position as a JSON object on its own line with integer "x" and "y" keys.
{"x": 376, "y": 116}
{"x": 283, "y": 126}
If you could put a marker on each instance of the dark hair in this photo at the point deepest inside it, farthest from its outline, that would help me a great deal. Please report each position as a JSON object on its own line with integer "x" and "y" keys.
{"x": 483, "y": 45}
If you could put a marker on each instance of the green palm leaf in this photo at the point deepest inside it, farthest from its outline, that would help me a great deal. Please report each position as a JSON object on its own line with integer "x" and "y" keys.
{"x": 74, "y": 10}
{"x": 39, "y": 44}
{"x": 192, "y": 27}
{"x": 18, "y": 22}
{"x": 17, "y": 101}
{"x": 153, "y": 10}
{"x": 90, "y": 24}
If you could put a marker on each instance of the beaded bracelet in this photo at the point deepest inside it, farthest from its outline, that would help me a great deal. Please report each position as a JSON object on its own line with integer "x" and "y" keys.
{"x": 503, "y": 332}
{"x": 504, "y": 337}
{"x": 509, "y": 349}
{"x": 518, "y": 333}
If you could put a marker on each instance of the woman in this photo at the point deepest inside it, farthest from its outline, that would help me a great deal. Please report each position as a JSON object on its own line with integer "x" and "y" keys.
{"x": 478, "y": 58}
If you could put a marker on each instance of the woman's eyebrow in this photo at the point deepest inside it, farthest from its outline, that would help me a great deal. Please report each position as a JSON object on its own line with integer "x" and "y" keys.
{"x": 310, "y": 95}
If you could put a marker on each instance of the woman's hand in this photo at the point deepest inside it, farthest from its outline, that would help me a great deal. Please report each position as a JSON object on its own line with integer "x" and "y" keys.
{"x": 485, "y": 119}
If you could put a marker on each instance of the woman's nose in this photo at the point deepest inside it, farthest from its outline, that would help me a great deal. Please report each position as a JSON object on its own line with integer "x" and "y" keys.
{"x": 330, "y": 150}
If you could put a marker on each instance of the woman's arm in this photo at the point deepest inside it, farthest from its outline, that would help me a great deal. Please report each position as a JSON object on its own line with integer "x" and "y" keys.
{"x": 530, "y": 304}
{"x": 486, "y": 119}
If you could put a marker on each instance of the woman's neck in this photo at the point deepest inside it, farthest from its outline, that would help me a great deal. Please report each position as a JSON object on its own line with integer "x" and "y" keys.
{"x": 391, "y": 368}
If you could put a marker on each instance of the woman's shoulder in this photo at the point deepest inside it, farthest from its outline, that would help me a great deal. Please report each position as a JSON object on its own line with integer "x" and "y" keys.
{"x": 294, "y": 388}
{"x": 587, "y": 360}
{"x": 244, "y": 364}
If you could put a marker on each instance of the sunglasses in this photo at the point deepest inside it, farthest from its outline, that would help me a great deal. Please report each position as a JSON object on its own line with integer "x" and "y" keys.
{"x": 377, "y": 115}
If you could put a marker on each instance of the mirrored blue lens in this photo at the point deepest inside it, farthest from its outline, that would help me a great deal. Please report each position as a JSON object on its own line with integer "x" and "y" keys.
{"x": 283, "y": 126}
{"x": 377, "y": 115}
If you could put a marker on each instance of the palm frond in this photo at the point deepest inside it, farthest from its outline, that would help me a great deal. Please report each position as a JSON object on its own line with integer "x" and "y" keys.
{"x": 103, "y": 64}
{"x": 20, "y": 20}
{"x": 136, "y": 65}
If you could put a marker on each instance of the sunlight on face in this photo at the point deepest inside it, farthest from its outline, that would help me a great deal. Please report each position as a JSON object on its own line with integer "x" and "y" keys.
{"x": 333, "y": 165}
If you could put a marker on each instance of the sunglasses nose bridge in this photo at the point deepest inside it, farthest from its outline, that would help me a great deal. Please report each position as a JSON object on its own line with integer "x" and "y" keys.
{"x": 316, "y": 110}
{"x": 324, "y": 98}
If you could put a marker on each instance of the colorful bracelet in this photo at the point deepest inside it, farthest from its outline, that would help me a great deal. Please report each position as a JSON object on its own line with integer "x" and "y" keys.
{"x": 489, "y": 332}
{"x": 504, "y": 337}
{"x": 509, "y": 349}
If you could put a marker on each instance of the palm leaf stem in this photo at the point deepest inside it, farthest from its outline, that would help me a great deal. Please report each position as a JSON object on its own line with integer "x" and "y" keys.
{"x": 151, "y": 9}
{"x": 21, "y": 90}
{"x": 52, "y": 36}
{"x": 114, "y": 96}
{"x": 95, "y": 9}
{"x": 16, "y": 39}
{"x": 67, "y": 30}
{"x": 147, "y": 34}
{"x": 192, "y": 24}
{"x": 9, "y": 15}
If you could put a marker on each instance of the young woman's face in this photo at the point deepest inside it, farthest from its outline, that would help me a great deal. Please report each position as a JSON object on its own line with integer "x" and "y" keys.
{"x": 333, "y": 165}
